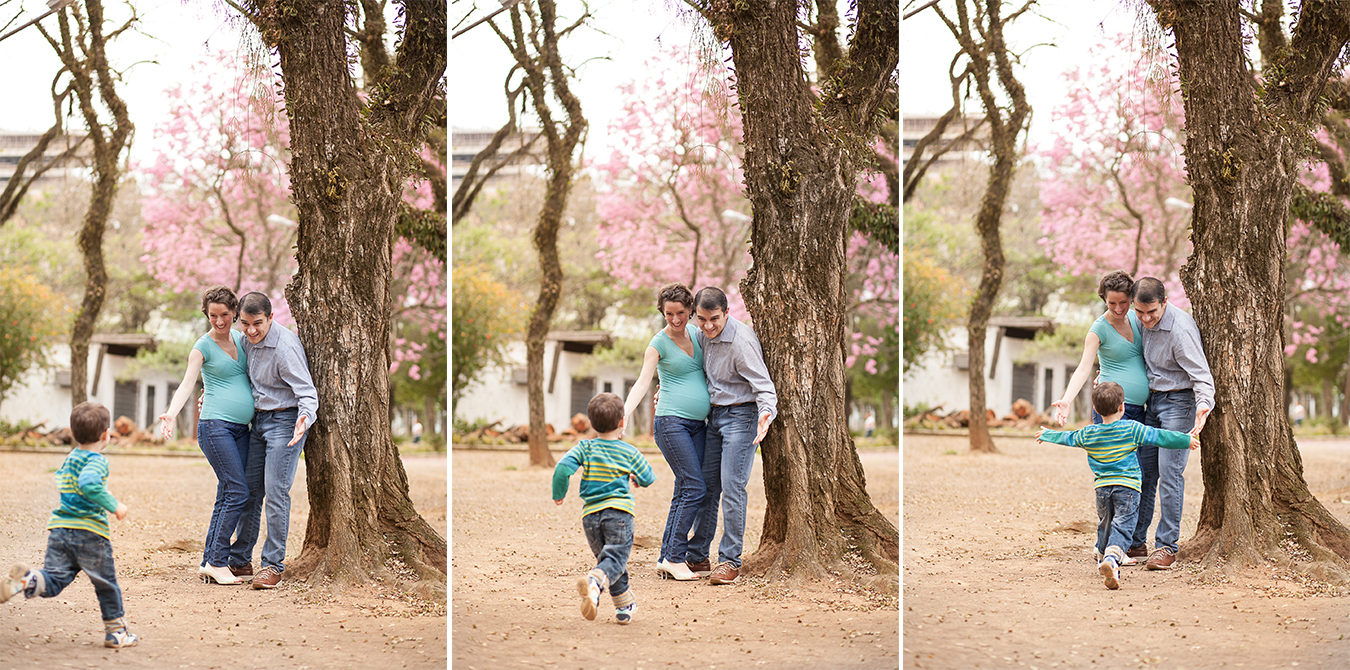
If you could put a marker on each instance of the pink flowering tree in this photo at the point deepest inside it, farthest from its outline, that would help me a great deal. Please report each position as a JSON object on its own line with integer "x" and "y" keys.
{"x": 1115, "y": 195}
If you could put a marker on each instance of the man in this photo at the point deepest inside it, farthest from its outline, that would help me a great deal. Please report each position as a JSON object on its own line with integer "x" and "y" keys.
{"x": 285, "y": 405}
{"x": 744, "y": 403}
{"x": 1181, "y": 395}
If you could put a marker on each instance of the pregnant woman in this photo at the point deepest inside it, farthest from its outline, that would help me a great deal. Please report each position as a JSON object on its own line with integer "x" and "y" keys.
{"x": 679, "y": 426}
{"x": 222, "y": 429}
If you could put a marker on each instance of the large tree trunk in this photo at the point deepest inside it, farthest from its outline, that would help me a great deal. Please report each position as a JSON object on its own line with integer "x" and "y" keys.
{"x": 347, "y": 175}
{"x": 801, "y": 178}
{"x": 1241, "y": 155}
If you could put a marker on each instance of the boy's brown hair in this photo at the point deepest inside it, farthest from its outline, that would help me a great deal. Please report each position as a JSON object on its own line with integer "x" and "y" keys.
{"x": 88, "y": 421}
{"x": 1106, "y": 398}
{"x": 605, "y": 412}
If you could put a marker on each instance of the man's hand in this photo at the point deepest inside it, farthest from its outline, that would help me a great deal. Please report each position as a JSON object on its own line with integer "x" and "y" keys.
{"x": 557, "y": 502}
{"x": 1200, "y": 418}
{"x": 299, "y": 431}
{"x": 1061, "y": 411}
{"x": 121, "y": 512}
{"x": 200, "y": 399}
{"x": 763, "y": 428}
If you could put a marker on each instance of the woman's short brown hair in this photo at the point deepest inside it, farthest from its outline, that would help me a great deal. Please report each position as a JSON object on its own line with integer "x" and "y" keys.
{"x": 220, "y": 295}
{"x": 1118, "y": 280}
{"x": 674, "y": 293}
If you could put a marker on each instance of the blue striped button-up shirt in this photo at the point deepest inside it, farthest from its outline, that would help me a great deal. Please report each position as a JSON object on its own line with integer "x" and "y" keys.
{"x": 279, "y": 373}
{"x": 734, "y": 365}
{"x": 1175, "y": 359}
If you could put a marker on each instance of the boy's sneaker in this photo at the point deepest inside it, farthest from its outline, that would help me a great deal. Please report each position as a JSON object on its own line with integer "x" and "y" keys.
{"x": 116, "y": 635}
{"x": 589, "y": 589}
{"x": 1111, "y": 573}
{"x": 20, "y": 580}
{"x": 624, "y": 615}
{"x": 120, "y": 638}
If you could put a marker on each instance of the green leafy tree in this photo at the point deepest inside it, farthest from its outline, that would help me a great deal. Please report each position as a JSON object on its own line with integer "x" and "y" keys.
{"x": 933, "y": 301}
{"x": 29, "y": 324}
{"x": 485, "y": 315}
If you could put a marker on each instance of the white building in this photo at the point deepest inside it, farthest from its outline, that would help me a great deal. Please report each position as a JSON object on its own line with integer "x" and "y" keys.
{"x": 569, "y": 383}
{"x": 943, "y": 378}
{"x": 131, "y": 391}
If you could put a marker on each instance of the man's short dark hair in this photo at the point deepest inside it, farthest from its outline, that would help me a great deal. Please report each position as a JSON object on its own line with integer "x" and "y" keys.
{"x": 1149, "y": 290}
{"x": 1118, "y": 280}
{"x": 220, "y": 295}
{"x": 710, "y": 298}
{"x": 605, "y": 412}
{"x": 674, "y": 293}
{"x": 1106, "y": 398}
{"x": 255, "y": 303}
{"x": 88, "y": 421}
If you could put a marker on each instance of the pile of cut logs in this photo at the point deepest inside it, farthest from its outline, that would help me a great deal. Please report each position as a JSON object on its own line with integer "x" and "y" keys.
{"x": 491, "y": 434}
{"x": 125, "y": 433}
{"x": 1022, "y": 417}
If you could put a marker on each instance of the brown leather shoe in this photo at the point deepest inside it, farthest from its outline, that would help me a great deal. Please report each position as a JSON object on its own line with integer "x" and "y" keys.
{"x": 1140, "y": 551}
{"x": 1162, "y": 558}
{"x": 267, "y": 579}
{"x": 725, "y": 573}
{"x": 245, "y": 570}
{"x": 702, "y": 568}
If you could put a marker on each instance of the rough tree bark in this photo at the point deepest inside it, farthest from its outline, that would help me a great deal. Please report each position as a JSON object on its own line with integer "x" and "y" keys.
{"x": 350, "y": 161}
{"x": 84, "y": 59}
{"x": 802, "y": 159}
{"x": 545, "y": 80}
{"x": 988, "y": 64}
{"x": 1242, "y": 153}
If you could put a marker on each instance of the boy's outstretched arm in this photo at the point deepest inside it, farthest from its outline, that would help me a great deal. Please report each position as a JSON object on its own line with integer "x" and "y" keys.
{"x": 562, "y": 472}
{"x": 1168, "y": 439}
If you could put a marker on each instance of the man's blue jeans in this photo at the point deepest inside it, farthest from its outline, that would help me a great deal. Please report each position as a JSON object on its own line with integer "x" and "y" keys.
{"x": 682, "y": 442}
{"x": 1164, "y": 470}
{"x": 727, "y": 460}
{"x": 610, "y": 533}
{"x": 70, "y": 550}
{"x": 226, "y": 447}
{"x": 1117, "y": 510}
{"x": 269, "y": 473}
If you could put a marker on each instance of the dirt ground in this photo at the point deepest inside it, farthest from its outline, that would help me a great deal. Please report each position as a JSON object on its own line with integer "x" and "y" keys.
{"x": 998, "y": 573}
{"x": 182, "y": 622}
{"x": 516, "y": 557}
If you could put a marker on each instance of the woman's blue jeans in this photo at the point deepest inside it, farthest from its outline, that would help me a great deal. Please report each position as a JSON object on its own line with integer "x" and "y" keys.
{"x": 225, "y": 444}
{"x": 681, "y": 442}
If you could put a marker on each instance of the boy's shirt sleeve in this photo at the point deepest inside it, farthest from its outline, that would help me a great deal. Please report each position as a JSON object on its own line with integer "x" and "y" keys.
{"x": 1062, "y": 437}
{"x": 643, "y": 470}
{"x": 564, "y": 470}
{"x": 1167, "y": 439}
{"x": 93, "y": 482}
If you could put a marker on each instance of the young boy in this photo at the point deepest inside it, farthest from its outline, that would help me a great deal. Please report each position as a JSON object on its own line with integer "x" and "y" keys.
{"x": 1110, "y": 447}
{"x": 79, "y": 538}
{"x": 607, "y": 465}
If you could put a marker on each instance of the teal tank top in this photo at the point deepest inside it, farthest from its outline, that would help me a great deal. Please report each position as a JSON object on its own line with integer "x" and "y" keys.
{"x": 228, "y": 394}
{"x": 1122, "y": 361}
{"x": 684, "y": 389}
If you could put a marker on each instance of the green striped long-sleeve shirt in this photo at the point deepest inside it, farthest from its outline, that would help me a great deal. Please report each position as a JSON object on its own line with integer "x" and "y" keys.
{"x": 82, "y": 481}
{"x": 605, "y": 466}
{"x": 1111, "y": 448}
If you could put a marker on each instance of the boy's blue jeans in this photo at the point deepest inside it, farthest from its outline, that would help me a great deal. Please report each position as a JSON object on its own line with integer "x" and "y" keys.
{"x": 610, "y": 534}
{"x": 70, "y": 550}
{"x": 269, "y": 473}
{"x": 1117, "y": 510}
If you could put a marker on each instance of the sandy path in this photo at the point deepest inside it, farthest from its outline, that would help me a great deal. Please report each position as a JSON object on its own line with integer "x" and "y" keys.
{"x": 182, "y": 622}
{"x": 516, "y": 557}
{"x": 989, "y": 581}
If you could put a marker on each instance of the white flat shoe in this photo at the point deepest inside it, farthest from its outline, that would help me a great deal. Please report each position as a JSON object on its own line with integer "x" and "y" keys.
{"x": 677, "y": 571}
{"x": 210, "y": 573}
